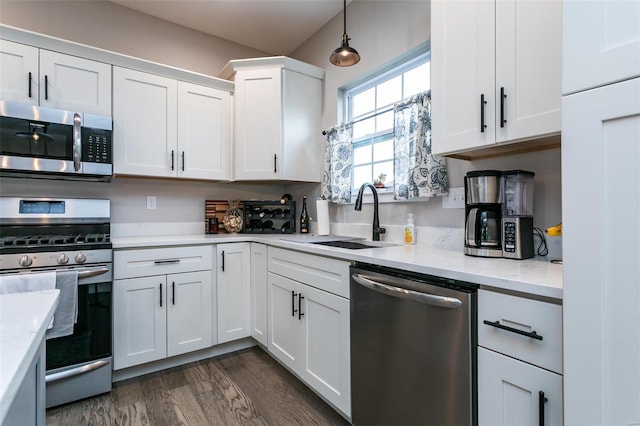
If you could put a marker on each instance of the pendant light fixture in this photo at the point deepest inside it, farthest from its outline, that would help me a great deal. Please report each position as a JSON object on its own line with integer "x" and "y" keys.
{"x": 345, "y": 56}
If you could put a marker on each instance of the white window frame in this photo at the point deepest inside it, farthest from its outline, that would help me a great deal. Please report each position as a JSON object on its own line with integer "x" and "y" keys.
{"x": 412, "y": 59}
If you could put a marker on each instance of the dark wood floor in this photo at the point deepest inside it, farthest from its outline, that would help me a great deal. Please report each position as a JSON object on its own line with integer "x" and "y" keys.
{"x": 247, "y": 387}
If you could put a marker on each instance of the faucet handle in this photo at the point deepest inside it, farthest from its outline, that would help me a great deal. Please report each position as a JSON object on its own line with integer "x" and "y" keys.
{"x": 381, "y": 230}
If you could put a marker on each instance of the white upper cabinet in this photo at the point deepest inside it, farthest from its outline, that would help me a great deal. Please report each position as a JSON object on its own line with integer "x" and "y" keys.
{"x": 496, "y": 72}
{"x": 277, "y": 133}
{"x": 168, "y": 128}
{"x": 41, "y": 77}
{"x": 601, "y": 43}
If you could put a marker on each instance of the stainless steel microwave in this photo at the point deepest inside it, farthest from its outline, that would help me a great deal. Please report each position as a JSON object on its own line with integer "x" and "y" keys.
{"x": 41, "y": 142}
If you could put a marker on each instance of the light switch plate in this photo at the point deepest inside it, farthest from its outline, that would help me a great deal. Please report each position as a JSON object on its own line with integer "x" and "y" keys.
{"x": 455, "y": 198}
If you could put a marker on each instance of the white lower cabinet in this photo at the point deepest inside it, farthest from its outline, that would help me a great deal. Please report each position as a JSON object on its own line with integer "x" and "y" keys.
{"x": 234, "y": 291}
{"x": 259, "y": 292}
{"x": 157, "y": 313}
{"x": 511, "y": 392}
{"x": 309, "y": 329}
{"x": 161, "y": 316}
{"x": 519, "y": 361}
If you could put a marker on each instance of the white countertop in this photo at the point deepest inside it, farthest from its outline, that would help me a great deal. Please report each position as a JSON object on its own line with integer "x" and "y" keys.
{"x": 24, "y": 318}
{"x": 533, "y": 277}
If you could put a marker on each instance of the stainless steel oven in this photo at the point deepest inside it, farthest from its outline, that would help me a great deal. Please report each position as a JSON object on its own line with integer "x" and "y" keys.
{"x": 38, "y": 235}
{"x": 41, "y": 142}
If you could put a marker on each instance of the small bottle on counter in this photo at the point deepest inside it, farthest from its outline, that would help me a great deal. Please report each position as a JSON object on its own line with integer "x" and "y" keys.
{"x": 410, "y": 230}
{"x": 304, "y": 217}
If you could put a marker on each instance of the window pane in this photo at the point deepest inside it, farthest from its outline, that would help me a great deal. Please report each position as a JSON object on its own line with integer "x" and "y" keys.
{"x": 389, "y": 92}
{"x": 386, "y": 168}
{"x": 364, "y": 102}
{"x": 383, "y": 151}
{"x": 364, "y": 127}
{"x": 362, "y": 154}
{"x": 385, "y": 122}
{"x": 361, "y": 174}
{"x": 417, "y": 80}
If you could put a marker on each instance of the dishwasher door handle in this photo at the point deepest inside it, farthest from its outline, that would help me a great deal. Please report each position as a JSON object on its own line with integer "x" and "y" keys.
{"x": 429, "y": 299}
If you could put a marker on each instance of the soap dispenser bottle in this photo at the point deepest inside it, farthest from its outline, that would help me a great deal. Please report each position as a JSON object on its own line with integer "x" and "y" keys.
{"x": 410, "y": 230}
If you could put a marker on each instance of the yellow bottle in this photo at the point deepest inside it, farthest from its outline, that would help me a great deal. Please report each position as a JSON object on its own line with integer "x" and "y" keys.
{"x": 410, "y": 230}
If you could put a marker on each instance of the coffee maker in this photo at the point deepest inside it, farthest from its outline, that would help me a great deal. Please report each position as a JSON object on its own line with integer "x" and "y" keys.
{"x": 483, "y": 213}
{"x": 517, "y": 214}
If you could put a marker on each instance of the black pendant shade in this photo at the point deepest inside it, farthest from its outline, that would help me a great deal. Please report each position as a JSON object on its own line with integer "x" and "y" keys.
{"x": 345, "y": 56}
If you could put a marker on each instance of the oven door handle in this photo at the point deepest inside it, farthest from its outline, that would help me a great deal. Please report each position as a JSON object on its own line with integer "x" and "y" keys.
{"x": 429, "y": 299}
{"x": 92, "y": 273}
{"x": 75, "y": 371}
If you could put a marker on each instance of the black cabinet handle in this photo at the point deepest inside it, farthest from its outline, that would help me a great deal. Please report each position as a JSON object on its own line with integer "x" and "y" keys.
{"x": 497, "y": 324}
{"x": 275, "y": 163}
{"x": 30, "y": 85}
{"x": 300, "y": 314}
{"x": 222, "y": 254}
{"x": 503, "y": 96}
{"x": 160, "y": 294}
{"x": 293, "y": 303}
{"x": 482, "y": 104}
{"x": 165, "y": 261}
{"x": 183, "y": 161}
{"x": 173, "y": 293}
{"x": 46, "y": 87}
{"x": 172, "y": 153}
{"x": 541, "y": 401}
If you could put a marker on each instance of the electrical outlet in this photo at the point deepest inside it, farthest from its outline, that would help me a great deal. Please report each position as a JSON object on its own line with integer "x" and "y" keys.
{"x": 455, "y": 199}
{"x": 151, "y": 202}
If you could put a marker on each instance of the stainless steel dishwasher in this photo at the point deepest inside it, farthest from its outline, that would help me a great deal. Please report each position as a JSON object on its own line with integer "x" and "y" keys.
{"x": 413, "y": 348}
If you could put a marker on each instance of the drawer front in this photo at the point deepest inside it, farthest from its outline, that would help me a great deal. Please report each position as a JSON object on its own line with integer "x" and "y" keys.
{"x": 160, "y": 261}
{"x": 525, "y": 315}
{"x": 327, "y": 274}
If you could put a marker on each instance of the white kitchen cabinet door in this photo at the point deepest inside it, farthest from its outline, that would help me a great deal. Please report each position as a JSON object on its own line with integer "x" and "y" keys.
{"x": 284, "y": 324}
{"x": 139, "y": 321}
{"x": 509, "y": 392}
{"x": 601, "y": 43}
{"x": 18, "y": 73}
{"x": 601, "y": 255}
{"x": 75, "y": 84}
{"x": 189, "y": 312}
{"x": 203, "y": 132}
{"x": 496, "y": 77}
{"x": 144, "y": 124}
{"x": 259, "y": 294}
{"x": 258, "y": 124}
{"x": 528, "y": 69}
{"x": 325, "y": 346}
{"x": 234, "y": 291}
{"x": 462, "y": 75}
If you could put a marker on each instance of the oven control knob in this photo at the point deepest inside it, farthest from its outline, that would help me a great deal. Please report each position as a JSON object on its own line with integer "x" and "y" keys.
{"x": 63, "y": 259}
{"x": 25, "y": 260}
{"x": 81, "y": 257}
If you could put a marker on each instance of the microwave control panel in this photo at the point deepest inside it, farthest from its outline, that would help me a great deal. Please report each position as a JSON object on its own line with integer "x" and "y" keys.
{"x": 96, "y": 146}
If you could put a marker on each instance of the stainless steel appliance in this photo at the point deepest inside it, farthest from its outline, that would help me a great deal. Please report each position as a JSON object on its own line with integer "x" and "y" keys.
{"x": 47, "y": 234}
{"x": 41, "y": 142}
{"x": 483, "y": 213}
{"x": 517, "y": 214}
{"x": 413, "y": 348}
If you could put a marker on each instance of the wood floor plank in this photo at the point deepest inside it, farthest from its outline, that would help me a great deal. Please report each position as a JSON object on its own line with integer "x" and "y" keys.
{"x": 247, "y": 387}
{"x": 132, "y": 415}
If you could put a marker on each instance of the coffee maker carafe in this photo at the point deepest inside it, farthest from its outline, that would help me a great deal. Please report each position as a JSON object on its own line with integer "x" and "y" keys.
{"x": 517, "y": 214}
{"x": 483, "y": 213}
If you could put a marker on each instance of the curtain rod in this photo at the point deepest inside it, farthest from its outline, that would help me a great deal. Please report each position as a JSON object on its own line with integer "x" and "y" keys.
{"x": 325, "y": 132}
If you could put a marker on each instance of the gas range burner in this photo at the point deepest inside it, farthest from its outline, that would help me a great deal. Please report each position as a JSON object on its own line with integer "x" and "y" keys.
{"x": 54, "y": 240}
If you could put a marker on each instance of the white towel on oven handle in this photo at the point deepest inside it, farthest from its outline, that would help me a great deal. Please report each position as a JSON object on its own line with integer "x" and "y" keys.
{"x": 66, "y": 314}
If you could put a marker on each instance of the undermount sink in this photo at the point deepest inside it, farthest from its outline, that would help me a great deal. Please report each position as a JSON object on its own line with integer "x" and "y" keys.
{"x": 354, "y": 245}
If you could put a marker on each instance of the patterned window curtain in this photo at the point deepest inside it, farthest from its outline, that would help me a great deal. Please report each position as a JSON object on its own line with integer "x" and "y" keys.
{"x": 338, "y": 164}
{"x": 417, "y": 173}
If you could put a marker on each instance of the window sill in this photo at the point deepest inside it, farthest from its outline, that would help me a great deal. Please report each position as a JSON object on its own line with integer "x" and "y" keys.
{"x": 385, "y": 196}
